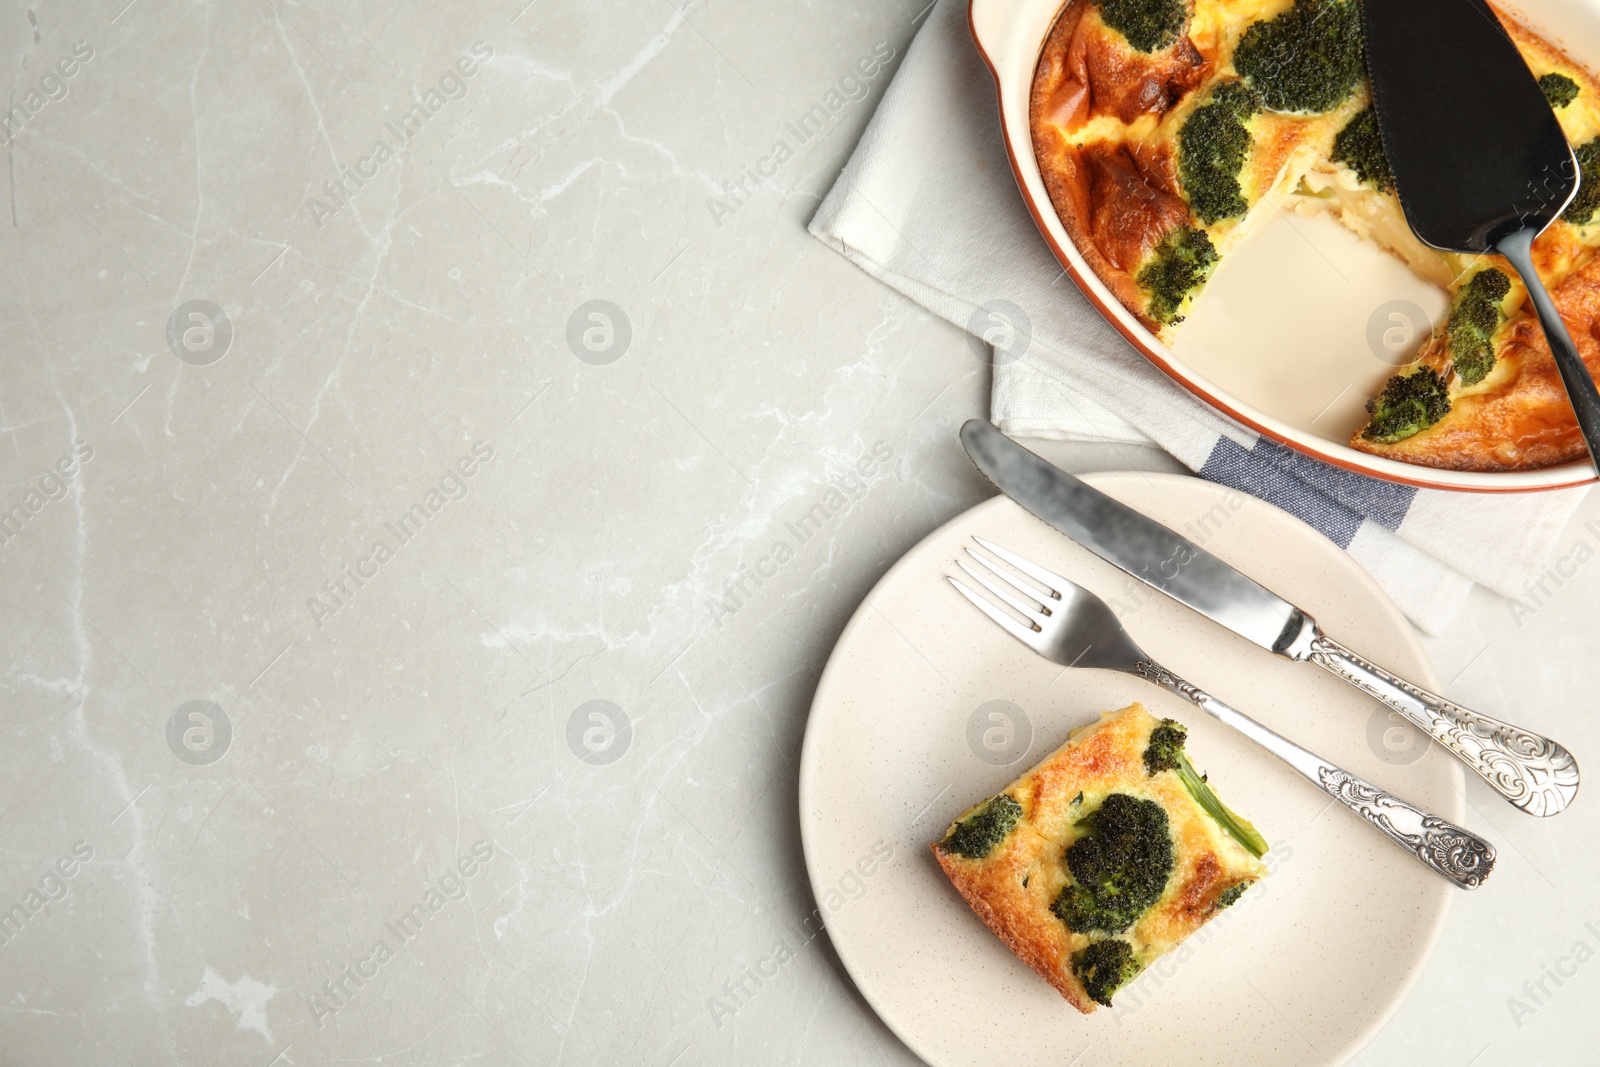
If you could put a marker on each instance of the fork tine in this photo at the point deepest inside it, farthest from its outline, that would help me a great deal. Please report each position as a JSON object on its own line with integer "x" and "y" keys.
{"x": 1043, "y": 599}
{"x": 1007, "y": 623}
{"x": 1051, "y": 581}
{"x": 1028, "y": 612}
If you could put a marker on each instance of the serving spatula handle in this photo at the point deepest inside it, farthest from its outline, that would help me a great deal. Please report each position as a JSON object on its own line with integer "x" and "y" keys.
{"x": 1530, "y": 770}
{"x": 1575, "y": 377}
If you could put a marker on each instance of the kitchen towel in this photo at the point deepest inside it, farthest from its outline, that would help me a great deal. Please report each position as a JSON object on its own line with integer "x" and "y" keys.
{"x": 928, "y": 205}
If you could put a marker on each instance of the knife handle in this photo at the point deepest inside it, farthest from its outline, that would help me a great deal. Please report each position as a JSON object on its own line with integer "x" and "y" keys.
{"x": 1531, "y": 771}
{"x": 1451, "y": 851}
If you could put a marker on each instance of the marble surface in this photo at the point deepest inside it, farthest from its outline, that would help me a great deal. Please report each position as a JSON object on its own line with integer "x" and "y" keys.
{"x": 399, "y": 667}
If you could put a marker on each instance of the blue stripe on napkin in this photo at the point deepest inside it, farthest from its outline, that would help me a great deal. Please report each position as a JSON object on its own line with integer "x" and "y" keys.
{"x": 1329, "y": 498}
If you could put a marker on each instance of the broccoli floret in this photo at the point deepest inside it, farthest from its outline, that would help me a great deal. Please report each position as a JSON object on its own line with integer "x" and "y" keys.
{"x": 1581, "y": 211}
{"x": 1472, "y": 355}
{"x": 1306, "y": 60}
{"x": 1409, "y": 404}
{"x": 1478, "y": 302}
{"x": 1179, "y": 265}
{"x": 1105, "y": 967}
{"x": 1559, "y": 89}
{"x": 1149, "y": 25}
{"x": 1475, "y": 318}
{"x": 1230, "y": 896}
{"x": 1164, "y": 752}
{"x": 1360, "y": 147}
{"x": 1473, "y": 321}
{"x": 1119, "y": 868}
{"x": 977, "y": 833}
{"x": 1165, "y": 748}
{"x": 1212, "y": 147}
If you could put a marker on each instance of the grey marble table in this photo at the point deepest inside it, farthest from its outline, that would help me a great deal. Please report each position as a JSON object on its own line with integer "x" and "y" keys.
{"x": 401, "y": 411}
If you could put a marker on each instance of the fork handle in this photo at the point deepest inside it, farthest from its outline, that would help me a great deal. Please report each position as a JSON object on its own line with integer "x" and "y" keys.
{"x": 1528, "y": 769}
{"x": 1458, "y": 854}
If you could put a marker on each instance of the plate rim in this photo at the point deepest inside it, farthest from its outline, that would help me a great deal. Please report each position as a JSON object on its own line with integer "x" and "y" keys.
{"x": 827, "y": 680}
{"x": 1031, "y": 186}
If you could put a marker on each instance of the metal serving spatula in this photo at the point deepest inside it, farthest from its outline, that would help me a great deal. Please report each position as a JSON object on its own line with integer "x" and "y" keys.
{"x": 1480, "y": 163}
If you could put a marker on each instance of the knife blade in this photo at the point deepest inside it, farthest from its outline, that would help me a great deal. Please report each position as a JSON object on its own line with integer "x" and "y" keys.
{"x": 1531, "y": 771}
{"x": 1144, "y": 548}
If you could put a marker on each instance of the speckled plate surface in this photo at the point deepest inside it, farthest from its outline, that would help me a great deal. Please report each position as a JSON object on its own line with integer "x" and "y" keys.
{"x": 926, "y": 706}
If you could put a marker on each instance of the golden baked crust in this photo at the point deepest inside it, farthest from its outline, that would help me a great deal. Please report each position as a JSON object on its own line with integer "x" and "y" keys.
{"x": 1105, "y": 120}
{"x": 1518, "y": 418}
{"x": 1013, "y": 887}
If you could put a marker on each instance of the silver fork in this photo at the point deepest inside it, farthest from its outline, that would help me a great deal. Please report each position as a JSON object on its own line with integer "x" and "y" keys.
{"x": 1073, "y": 627}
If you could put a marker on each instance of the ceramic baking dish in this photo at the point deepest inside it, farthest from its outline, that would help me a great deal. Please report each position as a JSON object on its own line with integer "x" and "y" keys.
{"x": 1256, "y": 347}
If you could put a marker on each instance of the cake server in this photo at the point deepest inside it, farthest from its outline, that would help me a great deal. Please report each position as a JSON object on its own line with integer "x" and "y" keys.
{"x": 1532, "y": 772}
{"x": 1480, "y": 163}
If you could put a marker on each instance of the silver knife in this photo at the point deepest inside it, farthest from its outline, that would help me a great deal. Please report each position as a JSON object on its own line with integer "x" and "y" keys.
{"x": 1532, "y": 772}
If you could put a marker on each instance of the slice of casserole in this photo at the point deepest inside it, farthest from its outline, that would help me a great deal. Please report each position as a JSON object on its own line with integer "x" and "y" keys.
{"x": 1103, "y": 857}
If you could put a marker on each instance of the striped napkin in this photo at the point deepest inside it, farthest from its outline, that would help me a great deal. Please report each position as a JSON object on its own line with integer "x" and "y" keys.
{"x": 927, "y": 204}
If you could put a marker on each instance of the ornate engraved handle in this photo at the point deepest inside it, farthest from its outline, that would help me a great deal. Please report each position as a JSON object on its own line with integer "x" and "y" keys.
{"x": 1531, "y": 771}
{"x": 1459, "y": 855}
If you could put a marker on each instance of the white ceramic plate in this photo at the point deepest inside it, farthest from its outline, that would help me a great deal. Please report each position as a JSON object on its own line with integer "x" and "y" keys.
{"x": 1303, "y": 970}
{"x": 1279, "y": 339}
